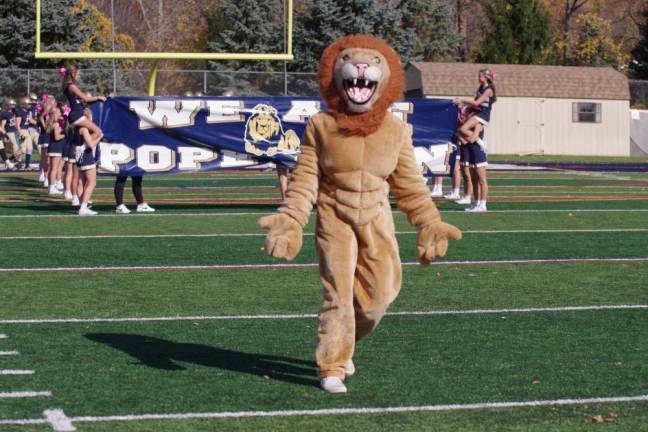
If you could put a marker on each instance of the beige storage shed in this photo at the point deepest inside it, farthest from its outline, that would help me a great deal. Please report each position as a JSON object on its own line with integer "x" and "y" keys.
{"x": 556, "y": 110}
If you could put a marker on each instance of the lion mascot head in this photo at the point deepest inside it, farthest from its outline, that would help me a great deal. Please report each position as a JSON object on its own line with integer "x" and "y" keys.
{"x": 360, "y": 77}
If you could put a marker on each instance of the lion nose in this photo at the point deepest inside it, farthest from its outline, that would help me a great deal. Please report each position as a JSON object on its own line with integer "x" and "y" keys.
{"x": 361, "y": 69}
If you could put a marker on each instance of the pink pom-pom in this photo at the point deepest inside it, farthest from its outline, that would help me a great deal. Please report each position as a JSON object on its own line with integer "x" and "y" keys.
{"x": 66, "y": 110}
{"x": 62, "y": 71}
{"x": 39, "y": 108}
{"x": 494, "y": 75}
{"x": 45, "y": 97}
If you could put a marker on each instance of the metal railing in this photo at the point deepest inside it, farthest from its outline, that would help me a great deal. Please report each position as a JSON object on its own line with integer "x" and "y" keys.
{"x": 134, "y": 82}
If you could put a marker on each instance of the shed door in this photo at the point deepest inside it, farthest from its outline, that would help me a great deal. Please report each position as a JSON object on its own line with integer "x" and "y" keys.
{"x": 529, "y": 126}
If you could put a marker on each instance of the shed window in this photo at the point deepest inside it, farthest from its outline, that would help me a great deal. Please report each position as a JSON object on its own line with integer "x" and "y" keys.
{"x": 586, "y": 112}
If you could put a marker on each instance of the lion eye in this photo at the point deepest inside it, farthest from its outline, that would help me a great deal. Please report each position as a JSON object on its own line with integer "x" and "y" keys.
{"x": 377, "y": 60}
{"x": 346, "y": 57}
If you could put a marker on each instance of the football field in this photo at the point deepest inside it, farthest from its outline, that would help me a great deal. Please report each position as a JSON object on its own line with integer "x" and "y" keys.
{"x": 537, "y": 320}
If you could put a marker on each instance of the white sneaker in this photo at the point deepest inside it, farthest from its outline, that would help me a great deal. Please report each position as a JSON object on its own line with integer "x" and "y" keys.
{"x": 41, "y": 177}
{"x": 465, "y": 200}
{"x": 436, "y": 193}
{"x": 452, "y": 197}
{"x": 122, "y": 209}
{"x": 46, "y": 183}
{"x": 85, "y": 211}
{"x": 68, "y": 195}
{"x": 480, "y": 209}
{"x": 59, "y": 185}
{"x": 10, "y": 165}
{"x": 75, "y": 201}
{"x": 333, "y": 384}
{"x": 145, "y": 208}
{"x": 349, "y": 368}
{"x": 53, "y": 191}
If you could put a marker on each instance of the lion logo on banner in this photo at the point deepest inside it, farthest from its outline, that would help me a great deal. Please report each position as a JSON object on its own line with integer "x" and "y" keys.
{"x": 264, "y": 134}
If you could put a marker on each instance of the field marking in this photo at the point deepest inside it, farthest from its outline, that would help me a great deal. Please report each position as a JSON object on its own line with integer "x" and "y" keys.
{"x": 310, "y": 234}
{"x": 3, "y": 336}
{"x": 58, "y": 420}
{"x": 24, "y": 394}
{"x": 9, "y": 353}
{"x": 15, "y": 372}
{"x": 312, "y": 315}
{"x": 310, "y": 265}
{"x": 162, "y": 214}
{"x": 64, "y": 421}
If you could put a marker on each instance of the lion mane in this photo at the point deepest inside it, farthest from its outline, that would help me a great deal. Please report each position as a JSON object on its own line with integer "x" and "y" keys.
{"x": 365, "y": 123}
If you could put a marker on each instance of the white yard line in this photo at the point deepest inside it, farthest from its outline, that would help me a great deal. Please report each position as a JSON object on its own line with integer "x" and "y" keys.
{"x": 24, "y": 394}
{"x": 9, "y": 353}
{"x": 3, "y": 336}
{"x": 309, "y": 265}
{"x": 209, "y": 235}
{"x": 311, "y": 316}
{"x": 57, "y": 418}
{"x": 15, "y": 372}
{"x": 183, "y": 215}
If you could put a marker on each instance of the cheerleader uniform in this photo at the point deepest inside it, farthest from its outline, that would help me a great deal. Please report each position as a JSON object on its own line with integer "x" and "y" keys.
{"x": 76, "y": 115}
{"x": 484, "y": 110}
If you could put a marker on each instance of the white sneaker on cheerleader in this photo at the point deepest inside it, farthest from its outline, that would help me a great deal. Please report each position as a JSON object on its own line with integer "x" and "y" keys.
{"x": 145, "y": 208}
{"x": 75, "y": 201}
{"x": 465, "y": 200}
{"x": 436, "y": 193}
{"x": 41, "y": 177}
{"x": 53, "y": 191}
{"x": 480, "y": 209}
{"x": 68, "y": 195}
{"x": 59, "y": 185}
{"x": 10, "y": 165}
{"x": 452, "y": 197}
{"x": 46, "y": 183}
{"x": 349, "y": 368}
{"x": 85, "y": 211}
{"x": 333, "y": 384}
{"x": 122, "y": 209}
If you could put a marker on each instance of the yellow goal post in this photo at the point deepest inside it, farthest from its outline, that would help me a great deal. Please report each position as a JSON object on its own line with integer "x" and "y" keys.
{"x": 157, "y": 56}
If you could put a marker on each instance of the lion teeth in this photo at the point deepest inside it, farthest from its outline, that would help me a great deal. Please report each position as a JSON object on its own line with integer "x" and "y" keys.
{"x": 355, "y": 81}
{"x": 366, "y": 83}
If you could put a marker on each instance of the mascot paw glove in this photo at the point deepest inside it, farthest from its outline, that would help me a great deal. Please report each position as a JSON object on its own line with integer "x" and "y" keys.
{"x": 284, "y": 239}
{"x": 432, "y": 241}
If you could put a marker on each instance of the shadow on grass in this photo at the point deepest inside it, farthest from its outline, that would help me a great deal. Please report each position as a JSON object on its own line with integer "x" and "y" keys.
{"x": 164, "y": 354}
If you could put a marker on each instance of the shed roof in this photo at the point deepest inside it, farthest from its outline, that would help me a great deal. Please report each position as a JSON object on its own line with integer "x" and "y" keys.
{"x": 460, "y": 79}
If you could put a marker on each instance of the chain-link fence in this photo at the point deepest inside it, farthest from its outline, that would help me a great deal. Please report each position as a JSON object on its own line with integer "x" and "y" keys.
{"x": 134, "y": 82}
{"x": 638, "y": 94}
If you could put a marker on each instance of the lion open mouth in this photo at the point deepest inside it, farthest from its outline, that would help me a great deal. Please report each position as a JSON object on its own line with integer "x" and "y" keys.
{"x": 359, "y": 91}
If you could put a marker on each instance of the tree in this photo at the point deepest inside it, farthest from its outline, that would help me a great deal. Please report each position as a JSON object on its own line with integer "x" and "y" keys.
{"x": 67, "y": 25}
{"x": 595, "y": 45}
{"x": 246, "y": 26}
{"x": 517, "y": 32}
{"x": 436, "y": 27}
{"x": 639, "y": 63}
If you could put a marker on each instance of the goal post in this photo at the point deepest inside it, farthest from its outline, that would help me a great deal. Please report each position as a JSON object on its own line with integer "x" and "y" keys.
{"x": 157, "y": 56}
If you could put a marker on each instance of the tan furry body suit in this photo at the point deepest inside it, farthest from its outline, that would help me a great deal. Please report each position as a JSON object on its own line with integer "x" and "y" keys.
{"x": 349, "y": 177}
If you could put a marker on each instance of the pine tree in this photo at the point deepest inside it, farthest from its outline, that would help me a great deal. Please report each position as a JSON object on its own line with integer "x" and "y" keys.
{"x": 517, "y": 32}
{"x": 639, "y": 63}
{"x": 435, "y": 34}
{"x": 62, "y": 30}
{"x": 246, "y": 26}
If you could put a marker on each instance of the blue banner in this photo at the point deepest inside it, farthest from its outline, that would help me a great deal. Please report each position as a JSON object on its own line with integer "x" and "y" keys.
{"x": 153, "y": 135}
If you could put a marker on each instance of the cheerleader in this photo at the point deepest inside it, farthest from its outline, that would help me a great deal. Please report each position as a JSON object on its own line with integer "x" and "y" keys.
{"x": 54, "y": 126}
{"x": 478, "y": 164}
{"x": 44, "y": 110}
{"x": 76, "y": 98}
{"x": 86, "y": 161}
{"x": 481, "y": 104}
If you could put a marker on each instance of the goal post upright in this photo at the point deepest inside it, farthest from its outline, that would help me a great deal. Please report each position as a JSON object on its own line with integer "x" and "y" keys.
{"x": 155, "y": 57}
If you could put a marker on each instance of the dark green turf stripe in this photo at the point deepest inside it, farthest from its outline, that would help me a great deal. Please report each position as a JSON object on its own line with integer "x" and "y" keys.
{"x": 247, "y": 250}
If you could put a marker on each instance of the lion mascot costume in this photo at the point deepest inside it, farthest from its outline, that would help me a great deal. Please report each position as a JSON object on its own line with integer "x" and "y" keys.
{"x": 352, "y": 156}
